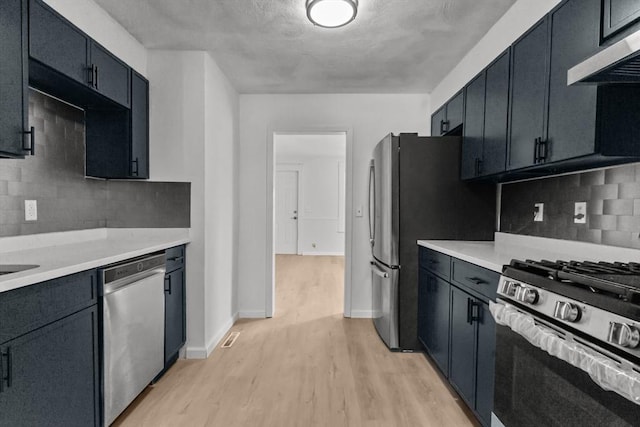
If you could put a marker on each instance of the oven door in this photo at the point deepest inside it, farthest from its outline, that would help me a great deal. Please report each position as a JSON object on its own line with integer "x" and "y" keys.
{"x": 534, "y": 388}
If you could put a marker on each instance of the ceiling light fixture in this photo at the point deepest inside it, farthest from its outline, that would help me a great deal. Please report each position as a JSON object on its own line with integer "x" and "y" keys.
{"x": 331, "y": 13}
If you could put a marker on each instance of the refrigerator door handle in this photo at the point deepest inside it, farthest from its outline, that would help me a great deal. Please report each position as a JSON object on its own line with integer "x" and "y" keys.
{"x": 378, "y": 272}
{"x": 372, "y": 203}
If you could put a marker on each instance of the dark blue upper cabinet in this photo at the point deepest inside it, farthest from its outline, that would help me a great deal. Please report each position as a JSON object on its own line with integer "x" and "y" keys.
{"x": 618, "y": 15}
{"x": 139, "y": 160}
{"x": 13, "y": 78}
{"x": 438, "y": 120}
{"x": 449, "y": 117}
{"x": 473, "y": 132}
{"x": 108, "y": 75}
{"x": 56, "y": 43}
{"x": 528, "y": 96}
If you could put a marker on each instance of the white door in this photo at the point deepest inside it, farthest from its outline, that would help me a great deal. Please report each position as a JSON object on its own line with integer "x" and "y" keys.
{"x": 287, "y": 212}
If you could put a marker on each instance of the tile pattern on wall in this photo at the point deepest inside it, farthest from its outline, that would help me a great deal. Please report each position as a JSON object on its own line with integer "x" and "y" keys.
{"x": 613, "y": 206}
{"x": 66, "y": 199}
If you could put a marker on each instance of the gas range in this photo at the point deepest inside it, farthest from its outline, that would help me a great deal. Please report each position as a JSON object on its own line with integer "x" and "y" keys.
{"x": 597, "y": 301}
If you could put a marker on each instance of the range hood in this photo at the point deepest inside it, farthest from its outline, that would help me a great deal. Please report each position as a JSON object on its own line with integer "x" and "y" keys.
{"x": 618, "y": 63}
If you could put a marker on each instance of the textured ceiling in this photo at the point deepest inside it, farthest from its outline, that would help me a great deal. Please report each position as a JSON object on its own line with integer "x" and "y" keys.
{"x": 269, "y": 46}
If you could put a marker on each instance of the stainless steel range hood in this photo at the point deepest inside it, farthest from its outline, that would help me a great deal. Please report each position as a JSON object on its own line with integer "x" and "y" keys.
{"x": 618, "y": 63}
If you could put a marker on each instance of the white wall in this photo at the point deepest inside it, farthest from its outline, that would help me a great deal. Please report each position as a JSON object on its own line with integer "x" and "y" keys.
{"x": 319, "y": 205}
{"x": 97, "y": 23}
{"x": 368, "y": 118}
{"x": 518, "y": 19}
{"x": 194, "y": 133}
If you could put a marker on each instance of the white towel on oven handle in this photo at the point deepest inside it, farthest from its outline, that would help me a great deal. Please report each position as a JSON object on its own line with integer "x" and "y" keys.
{"x": 604, "y": 371}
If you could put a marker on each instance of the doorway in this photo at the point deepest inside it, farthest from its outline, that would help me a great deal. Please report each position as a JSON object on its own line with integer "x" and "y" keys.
{"x": 309, "y": 200}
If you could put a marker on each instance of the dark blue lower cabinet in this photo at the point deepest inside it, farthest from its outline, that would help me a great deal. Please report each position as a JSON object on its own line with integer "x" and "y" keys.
{"x": 462, "y": 366}
{"x": 175, "y": 331}
{"x": 486, "y": 357}
{"x": 435, "y": 329}
{"x": 51, "y": 376}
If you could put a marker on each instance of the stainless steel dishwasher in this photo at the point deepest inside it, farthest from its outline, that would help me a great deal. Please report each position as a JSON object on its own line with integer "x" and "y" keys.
{"x": 133, "y": 329}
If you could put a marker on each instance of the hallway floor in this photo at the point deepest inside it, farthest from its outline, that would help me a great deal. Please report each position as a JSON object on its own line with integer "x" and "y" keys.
{"x": 307, "y": 366}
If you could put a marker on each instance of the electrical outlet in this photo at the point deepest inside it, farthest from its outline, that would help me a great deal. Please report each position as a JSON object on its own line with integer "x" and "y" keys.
{"x": 30, "y": 210}
{"x": 580, "y": 213}
{"x": 538, "y": 212}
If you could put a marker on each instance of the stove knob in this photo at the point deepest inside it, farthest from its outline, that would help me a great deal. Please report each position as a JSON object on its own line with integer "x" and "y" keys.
{"x": 528, "y": 295}
{"x": 509, "y": 288}
{"x": 624, "y": 335}
{"x": 567, "y": 311}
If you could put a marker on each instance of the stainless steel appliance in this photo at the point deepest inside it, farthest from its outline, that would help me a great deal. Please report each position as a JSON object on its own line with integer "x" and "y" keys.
{"x": 415, "y": 193}
{"x": 567, "y": 344}
{"x": 133, "y": 329}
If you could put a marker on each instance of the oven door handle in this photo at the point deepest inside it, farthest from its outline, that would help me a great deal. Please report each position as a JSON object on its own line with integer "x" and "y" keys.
{"x": 604, "y": 370}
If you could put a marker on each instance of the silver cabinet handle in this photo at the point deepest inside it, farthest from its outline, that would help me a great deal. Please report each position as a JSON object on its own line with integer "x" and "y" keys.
{"x": 378, "y": 272}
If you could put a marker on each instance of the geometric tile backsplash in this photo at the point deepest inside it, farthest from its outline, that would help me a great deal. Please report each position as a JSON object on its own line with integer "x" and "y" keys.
{"x": 613, "y": 206}
{"x": 66, "y": 199}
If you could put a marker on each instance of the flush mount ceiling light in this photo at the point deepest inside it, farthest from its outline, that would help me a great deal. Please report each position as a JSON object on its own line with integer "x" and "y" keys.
{"x": 331, "y": 13}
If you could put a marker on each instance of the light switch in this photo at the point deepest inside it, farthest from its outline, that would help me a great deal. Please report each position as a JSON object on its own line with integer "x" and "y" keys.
{"x": 538, "y": 212}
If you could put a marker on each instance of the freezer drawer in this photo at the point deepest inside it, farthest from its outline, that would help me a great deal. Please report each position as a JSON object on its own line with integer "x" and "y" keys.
{"x": 385, "y": 303}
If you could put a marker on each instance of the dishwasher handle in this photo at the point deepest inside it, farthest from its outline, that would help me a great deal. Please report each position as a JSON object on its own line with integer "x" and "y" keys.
{"x": 109, "y": 288}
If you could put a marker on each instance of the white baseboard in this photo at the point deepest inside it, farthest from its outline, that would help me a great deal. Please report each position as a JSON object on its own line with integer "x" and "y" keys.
{"x": 252, "y": 315}
{"x": 361, "y": 314}
{"x": 323, "y": 253}
{"x": 205, "y": 352}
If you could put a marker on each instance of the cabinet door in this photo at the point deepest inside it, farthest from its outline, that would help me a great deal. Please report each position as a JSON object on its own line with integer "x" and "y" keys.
{"x": 110, "y": 75}
{"x": 455, "y": 112}
{"x": 485, "y": 362}
{"x": 14, "y": 99}
{"x": 528, "y": 95}
{"x": 438, "y": 122}
{"x": 618, "y": 14}
{"x": 473, "y": 133}
{"x": 437, "y": 321}
{"x": 462, "y": 367}
{"x": 423, "y": 298}
{"x": 50, "y": 376}
{"x": 139, "y": 126}
{"x": 56, "y": 43}
{"x": 572, "y": 109}
{"x": 174, "y": 301}
{"x": 495, "y": 116}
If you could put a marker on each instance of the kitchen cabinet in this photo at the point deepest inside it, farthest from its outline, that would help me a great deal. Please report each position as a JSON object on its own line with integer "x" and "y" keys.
{"x": 484, "y": 140}
{"x": 57, "y": 44}
{"x": 528, "y": 97}
{"x": 175, "y": 313}
{"x": 618, "y": 15}
{"x": 49, "y": 365}
{"x": 433, "y": 327}
{"x": 14, "y": 101}
{"x": 457, "y": 329}
{"x": 448, "y": 119}
{"x": 117, "y": 139}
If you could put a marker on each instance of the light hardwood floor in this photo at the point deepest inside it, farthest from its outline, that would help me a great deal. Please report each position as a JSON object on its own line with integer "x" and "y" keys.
{"x": 307, "y": 366}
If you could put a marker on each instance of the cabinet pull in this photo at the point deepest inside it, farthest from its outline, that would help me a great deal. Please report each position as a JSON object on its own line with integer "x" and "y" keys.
{"x": 167, "y": 279}
{"x": 446, "y": 126}
{"x": 32, "y": 140}
{"x": 535, "y": 150}
{"x": 475, "y": 312}
{"x": 480, "y": 162}
{"x": 175, "y": 258}
{"x": 96, "y": 76}
{"x": 441, "y": 127}
{"x": 476, "y": 280}
{"x": 5, "y": 378}
{"x": 542, "y": 150}
{"x": 469, "y": 319}
{"x": 91, "y": 79}
{"x": 134, "y": 172}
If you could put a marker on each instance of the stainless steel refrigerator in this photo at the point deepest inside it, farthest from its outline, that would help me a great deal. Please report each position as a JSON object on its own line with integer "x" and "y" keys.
{"x": 415, "y": 193}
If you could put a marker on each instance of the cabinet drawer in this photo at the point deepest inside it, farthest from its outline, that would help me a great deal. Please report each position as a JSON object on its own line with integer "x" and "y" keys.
{"x": 435, "y": 262}
{"x": 29, "y": 308}
{"x": 175, "y": 258}
{"x": 475, "y": 278}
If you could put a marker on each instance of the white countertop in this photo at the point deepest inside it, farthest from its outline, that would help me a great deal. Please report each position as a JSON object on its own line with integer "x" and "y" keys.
{"x": 60, "y": 254}
{"x": 493, "y": 255}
